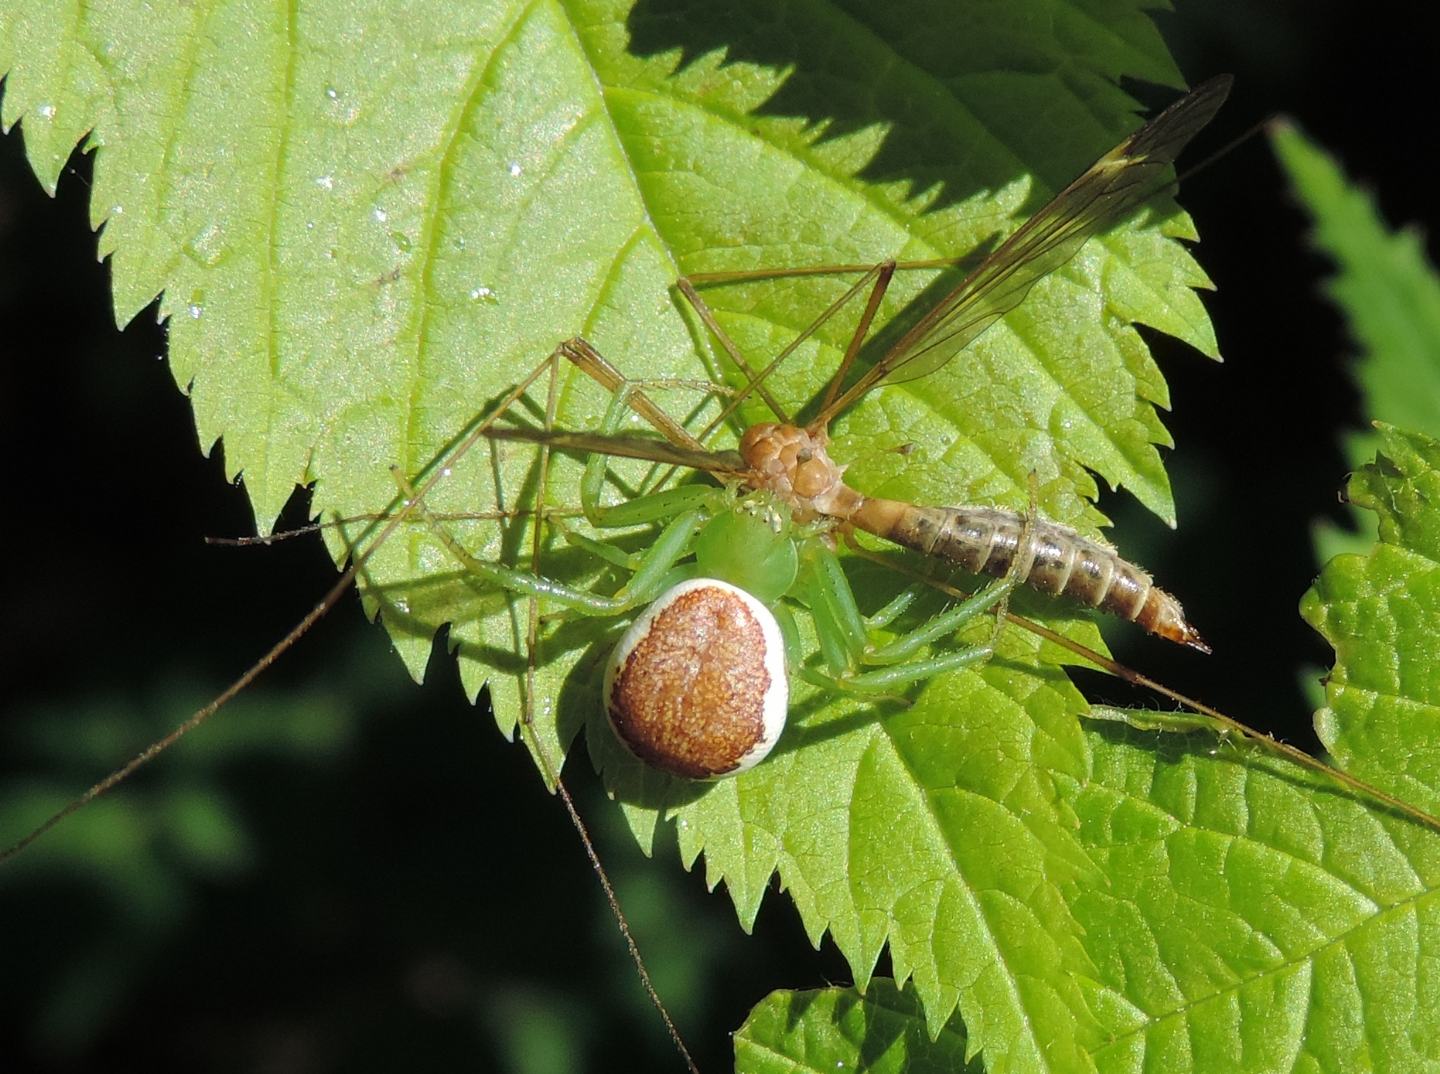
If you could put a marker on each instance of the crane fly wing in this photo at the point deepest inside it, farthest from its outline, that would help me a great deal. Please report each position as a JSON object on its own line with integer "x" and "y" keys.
{"x": 1116, "y": 183}
{"x": 727, "y": 463}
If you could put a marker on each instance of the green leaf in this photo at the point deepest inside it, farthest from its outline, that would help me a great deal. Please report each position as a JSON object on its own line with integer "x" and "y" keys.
{"x": 835, "y": 1029}
{"x": 1256, "y": 919}
{"x": 1390, "y": 296}
{"x": 365, "y": 227}
{"x": 1385, "y": 286}
{"x": 1253, "y": 920}
{"x": 1253, "y": 916}
{"x": 1381, "y": 612}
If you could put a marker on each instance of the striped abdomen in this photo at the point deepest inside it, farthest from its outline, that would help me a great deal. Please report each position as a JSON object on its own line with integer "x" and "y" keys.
{"x": 1053, "y": 559}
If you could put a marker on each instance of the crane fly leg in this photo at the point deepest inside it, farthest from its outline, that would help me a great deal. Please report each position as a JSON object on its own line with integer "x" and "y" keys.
{"x": 875, "y": 277}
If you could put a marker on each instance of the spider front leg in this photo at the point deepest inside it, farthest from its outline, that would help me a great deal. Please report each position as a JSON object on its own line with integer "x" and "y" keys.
{"x": 678, "y": 511}
{"x": 649, "y": 577}
{"x": 844, "y": 635}
{"x": 687, "y": 506}
{"x": 642, "y": 509}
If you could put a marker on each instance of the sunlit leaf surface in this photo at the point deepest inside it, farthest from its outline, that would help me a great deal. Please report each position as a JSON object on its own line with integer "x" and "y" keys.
{"x": 1381, "y": 612}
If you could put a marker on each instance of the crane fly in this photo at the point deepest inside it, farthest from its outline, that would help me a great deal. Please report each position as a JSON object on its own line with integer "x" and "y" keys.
{"x": 792, "y": 461}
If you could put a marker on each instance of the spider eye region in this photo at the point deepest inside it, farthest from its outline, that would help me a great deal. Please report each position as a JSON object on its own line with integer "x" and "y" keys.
{"x": 742, "y": 547}
{"x": 697, "y": 686}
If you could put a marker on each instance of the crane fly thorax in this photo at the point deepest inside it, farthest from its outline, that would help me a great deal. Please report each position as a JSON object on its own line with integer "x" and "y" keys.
{"x": 795, "y": 464}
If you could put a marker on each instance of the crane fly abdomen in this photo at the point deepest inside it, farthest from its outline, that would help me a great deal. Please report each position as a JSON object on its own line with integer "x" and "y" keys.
{"x": 1053, "y": 559}
{"x": 795, "y": 464}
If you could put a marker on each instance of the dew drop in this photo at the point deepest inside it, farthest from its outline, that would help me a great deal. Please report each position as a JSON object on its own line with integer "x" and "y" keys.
{"x": 207, "y": 246}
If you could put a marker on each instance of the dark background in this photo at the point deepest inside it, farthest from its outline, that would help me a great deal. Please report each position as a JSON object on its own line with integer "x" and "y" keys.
{"x": 318, "y": 880}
